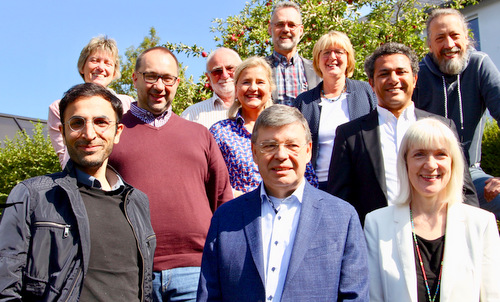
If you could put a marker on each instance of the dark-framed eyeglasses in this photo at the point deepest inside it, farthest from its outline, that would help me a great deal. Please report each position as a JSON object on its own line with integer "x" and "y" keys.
{"x": 218, "y": 71}
{"x": 291, "y": 25}
{"x": 270, "y": 148}
{"x": 100, "y": 123}
{"x": 152, "y": 78}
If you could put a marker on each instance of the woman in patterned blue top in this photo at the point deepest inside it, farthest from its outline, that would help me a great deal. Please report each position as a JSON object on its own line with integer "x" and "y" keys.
{"x": 254, "y": 84}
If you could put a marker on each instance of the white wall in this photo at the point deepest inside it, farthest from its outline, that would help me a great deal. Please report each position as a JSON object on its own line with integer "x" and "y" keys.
{"x": 488, "y": 14}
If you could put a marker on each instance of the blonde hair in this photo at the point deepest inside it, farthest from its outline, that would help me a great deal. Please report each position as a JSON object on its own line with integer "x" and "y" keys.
{"x": 338, "y": 39}
{"x": 100, "y": 43}
{"x": 249, "y": 63}
{"x": 427, "y": 133}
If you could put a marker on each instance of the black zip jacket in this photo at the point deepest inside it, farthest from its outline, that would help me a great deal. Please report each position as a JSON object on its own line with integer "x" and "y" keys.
{"x": 45, "y": 239}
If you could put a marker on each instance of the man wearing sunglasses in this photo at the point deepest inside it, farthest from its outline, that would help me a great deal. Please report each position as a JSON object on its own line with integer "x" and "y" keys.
{"x": 83, "y": 233}
{"x": 292, "y": 73}
{"x": 221, "y": 64}
{"x": 178, "y": 164}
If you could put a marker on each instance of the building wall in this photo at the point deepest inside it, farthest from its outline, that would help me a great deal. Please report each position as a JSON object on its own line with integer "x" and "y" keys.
{"x": 488, "y": 14}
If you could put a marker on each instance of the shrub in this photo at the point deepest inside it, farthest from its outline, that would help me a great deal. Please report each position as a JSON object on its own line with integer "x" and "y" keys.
{"x": 25, "y": 156}
{"x": 490, "y": 156}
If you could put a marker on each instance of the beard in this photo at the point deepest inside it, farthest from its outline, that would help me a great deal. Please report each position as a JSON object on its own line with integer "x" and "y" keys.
{"x": 451, "y": 66}
{"x": 224, "y": 88}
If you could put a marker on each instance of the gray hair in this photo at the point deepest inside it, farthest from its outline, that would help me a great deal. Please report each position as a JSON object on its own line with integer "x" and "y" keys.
{"x": 278, "y": 116}
{"x": 390, "y": 49}
{"x": 286, "y": 4}
{"x": 442, "y": 12}
{"x": 212, "y": 54}
{"x": 427, "y": 133}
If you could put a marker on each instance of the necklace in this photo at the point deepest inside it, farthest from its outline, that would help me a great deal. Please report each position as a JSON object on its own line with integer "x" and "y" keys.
{"x": 431, "y": 298}
{"x": 334, "y": 99}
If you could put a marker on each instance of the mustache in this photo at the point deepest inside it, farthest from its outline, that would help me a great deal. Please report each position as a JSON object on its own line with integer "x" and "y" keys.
{"x": 453, "y": 49}
{"x": 228, "y": 80}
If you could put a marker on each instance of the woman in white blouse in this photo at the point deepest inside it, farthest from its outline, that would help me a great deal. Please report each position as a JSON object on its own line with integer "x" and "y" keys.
{"x": 430, "y": 246}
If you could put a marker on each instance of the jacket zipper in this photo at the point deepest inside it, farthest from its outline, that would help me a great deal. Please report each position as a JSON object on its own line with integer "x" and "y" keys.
{"x": 138, "y": 245}
{"x": 73, "y": 286}
{"x": 66, "y": 227}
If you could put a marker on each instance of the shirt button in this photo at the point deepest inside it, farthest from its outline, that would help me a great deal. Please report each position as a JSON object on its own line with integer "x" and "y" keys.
{"x": 270, "y": 298}
{"x": 276, "y": 243}
{"x": 273, "y": 269}
{"x": 279, "y": 217}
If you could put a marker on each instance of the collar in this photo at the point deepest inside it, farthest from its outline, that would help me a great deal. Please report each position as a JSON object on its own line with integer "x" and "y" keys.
{"x": 239, "y": 119}
{"x": 279, "y": 58}
{"x": 298, "y": 193}
{"x": 91, "y": 181}
{"x": 147, "y": 116}
{"x": 385, "y": 115}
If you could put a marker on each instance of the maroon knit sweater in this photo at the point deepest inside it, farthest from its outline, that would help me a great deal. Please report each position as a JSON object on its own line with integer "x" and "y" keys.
{"x": 180, "y": 167}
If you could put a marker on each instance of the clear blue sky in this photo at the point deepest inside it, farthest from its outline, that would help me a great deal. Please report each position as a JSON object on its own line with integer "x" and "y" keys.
{"x": 42, "y": 40}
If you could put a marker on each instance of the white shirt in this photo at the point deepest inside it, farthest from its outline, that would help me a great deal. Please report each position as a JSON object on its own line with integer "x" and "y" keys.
{"x": 333, "y": 114}
{"x": 278, "y": 235}
{"x": 392, "y": 130}
{"x": 207, "y": 112}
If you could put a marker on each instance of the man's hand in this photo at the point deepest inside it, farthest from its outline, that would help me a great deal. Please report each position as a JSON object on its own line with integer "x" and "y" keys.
{"x": 492, "y": 188}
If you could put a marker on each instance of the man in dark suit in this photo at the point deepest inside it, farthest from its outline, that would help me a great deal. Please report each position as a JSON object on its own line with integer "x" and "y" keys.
{"x": 284, "y": 241}
{"x": 292, "y": 73}
{"x": 363, "y": 165}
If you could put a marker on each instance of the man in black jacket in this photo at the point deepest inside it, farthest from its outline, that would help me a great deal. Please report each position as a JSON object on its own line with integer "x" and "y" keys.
{"x": 80, "y": 234}
{"x": 363, "y": 165}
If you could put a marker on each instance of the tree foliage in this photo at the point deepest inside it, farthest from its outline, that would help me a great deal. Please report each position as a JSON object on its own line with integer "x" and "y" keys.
{"x": 400, "y": 21}
{"x": 490, "y": 149}
{"x": 25, "y": 156}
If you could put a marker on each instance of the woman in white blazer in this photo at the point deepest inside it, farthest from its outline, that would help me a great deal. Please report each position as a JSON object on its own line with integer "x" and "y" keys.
{"x": 430, "y": 246}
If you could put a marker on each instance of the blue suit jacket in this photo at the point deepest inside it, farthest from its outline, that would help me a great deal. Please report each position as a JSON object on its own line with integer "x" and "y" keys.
{"x": 361, "y": 100}
{"x": 328, "y": 261}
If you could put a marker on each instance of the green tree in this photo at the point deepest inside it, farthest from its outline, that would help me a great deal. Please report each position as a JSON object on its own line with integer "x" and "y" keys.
{"x": 400, "y": 21}
{"x": 490, "y": 148}
{"x": 25, "y": 156}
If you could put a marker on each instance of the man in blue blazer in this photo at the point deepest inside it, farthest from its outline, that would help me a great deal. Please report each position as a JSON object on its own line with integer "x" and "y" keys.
{"x": 284, "y": 241}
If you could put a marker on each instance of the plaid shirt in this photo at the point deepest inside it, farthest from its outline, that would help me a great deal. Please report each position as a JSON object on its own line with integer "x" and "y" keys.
{"x": 290, "y": 78}
{"x": 148, "y": 117}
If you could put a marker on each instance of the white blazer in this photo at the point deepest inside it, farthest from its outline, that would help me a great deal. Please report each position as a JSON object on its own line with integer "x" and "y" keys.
{"x": 471, "y": 267}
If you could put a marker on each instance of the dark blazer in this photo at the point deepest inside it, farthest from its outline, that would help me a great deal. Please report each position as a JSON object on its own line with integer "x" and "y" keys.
{"x": 328, "y": 261}
{"x": 360, "y": 101}
{"x": 357, "y": 172}
{"x": 312, "y": 78}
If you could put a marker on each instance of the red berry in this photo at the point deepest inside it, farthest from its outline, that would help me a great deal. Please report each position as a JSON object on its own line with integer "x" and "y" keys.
{"x": 204, "y": 54}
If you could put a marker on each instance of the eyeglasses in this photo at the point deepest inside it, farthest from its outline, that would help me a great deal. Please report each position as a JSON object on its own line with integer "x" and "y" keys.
{"x": 270, "y": 148}
{"x": 291, "y": 25}
{"x": 152, "y": 78}
{"x": 338, "y": 52}
{"x": 220, "y": 70}
{"x": 101, "y": 124}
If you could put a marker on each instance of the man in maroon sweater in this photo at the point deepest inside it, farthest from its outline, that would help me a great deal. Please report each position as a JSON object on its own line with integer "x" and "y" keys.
{"x": 178, "y": 164}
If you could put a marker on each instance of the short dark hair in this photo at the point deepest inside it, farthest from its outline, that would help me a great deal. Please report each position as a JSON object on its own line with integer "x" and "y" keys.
{"x": 86, "y": 90}
{"x": 278, "y": 116}
{"x": 390, "y": 48}
{"x": 138, "y": 62}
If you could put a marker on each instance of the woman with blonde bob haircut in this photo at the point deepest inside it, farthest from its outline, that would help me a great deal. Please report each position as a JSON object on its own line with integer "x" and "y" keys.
{"x": 430, "y": 246}
{"x": 336, "y": 100}
{"x": 99, "y": 63}
{"x": 253, "y": 87}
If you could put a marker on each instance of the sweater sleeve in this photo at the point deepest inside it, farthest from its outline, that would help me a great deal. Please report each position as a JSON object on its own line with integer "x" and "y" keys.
{"x": 217, "y": 185}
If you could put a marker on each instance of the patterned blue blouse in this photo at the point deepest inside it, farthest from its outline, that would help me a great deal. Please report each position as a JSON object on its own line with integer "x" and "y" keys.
{"x": 234, "y": 142}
